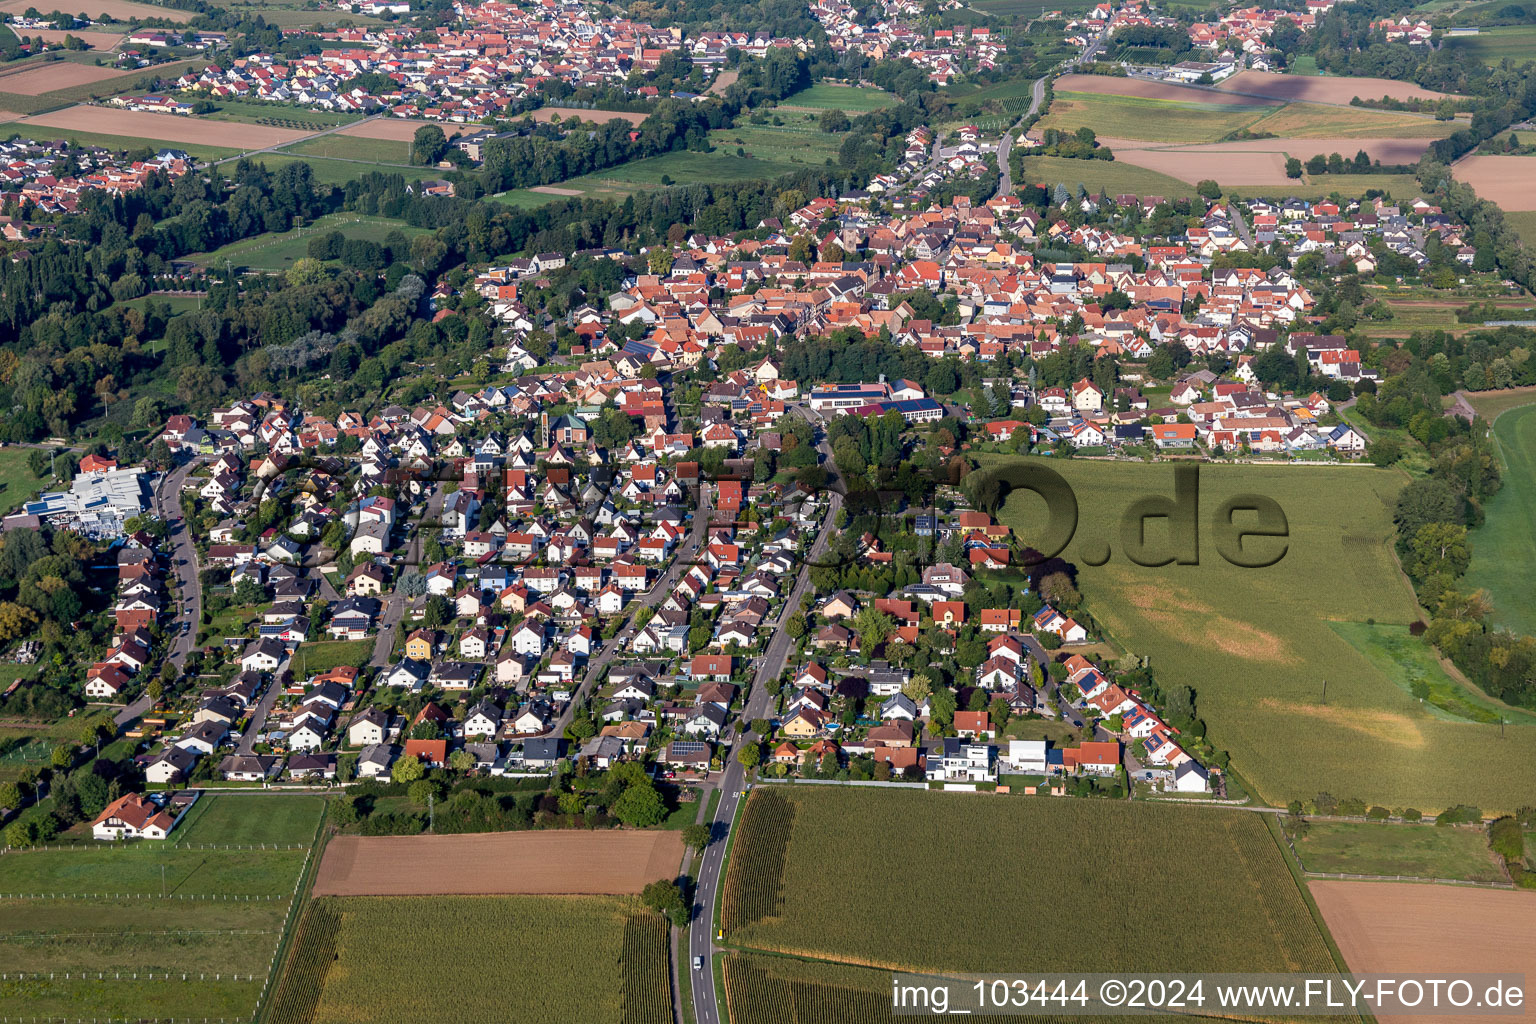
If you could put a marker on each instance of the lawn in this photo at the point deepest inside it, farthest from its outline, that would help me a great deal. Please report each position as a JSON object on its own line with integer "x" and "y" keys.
{"x": 853, "y": 100}
{"x": 17, "y": 484}
{"x": 1112, "y": 176}
{"x": 1492, "y": 45}
{"x": 1504, "y": 547}
{"x": 793, "y": 887}
{"x": 325, "y": 655}
{"x": 278, "y": 251}
{"x": 246, "y": 819}
{"x": 1256, "y": 643}
{"x": 532, "y": 959}
{"x": 1419, "y": 851}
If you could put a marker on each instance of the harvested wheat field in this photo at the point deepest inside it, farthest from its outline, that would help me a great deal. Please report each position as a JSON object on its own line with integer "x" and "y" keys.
{"x": 166, "y": 127}
{"x": 1404, "y": 928}
{"x": 95, "y": 40}
{"x": 1509, "y": 181}
{"x": 565, "y": 862}
{"x": 1315, "y": 89}
{"x": 1194, "y": 163}
{"x": 1108, "y": 85}
{"x": 59, "y": 74}
{"x": 396, "y": 129}
{"x": 122, "y": 10}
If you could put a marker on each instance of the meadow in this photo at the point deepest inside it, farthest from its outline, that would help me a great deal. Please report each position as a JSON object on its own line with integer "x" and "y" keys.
{"x": 137, "y": 869}
{"x": 847, "y": 98}
{"x": 17, "y": 484}
{"x": 243, "y": 819}
{"x": 1410, "y": 662}
{"x": 1524, "y": 224}
{"x": 1504, "y": 547}
{"x": 256, "y": 112}
{"x": 1493, "y": 45}
{"x": 329, "y": 171}
{"x": 791, "y": 886}
{"x": 1256, "y": 643}
{"x": 1112, "y": 176}
{"x": 561, "y": 960}
{"x": 325, "y": 655}
{"x": 279, "y": 251}
{"x": 1418, "y": 851}
{"x": 354, "y": 147}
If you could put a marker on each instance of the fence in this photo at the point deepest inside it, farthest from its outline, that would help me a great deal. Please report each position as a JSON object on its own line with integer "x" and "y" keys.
{"x": 151, "y": 846}
{"x": 137, "y": 896}
{"x": 1409, "y": 878}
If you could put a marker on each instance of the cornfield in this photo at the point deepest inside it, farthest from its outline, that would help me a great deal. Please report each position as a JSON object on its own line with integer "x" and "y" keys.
{"x": 1070, "y": 885}
{"x": 554, "y": 959}
{"x": 754, "y": 888}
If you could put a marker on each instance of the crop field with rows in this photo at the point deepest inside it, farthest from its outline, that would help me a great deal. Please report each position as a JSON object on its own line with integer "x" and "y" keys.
{"x": 1016, "y": 872}
{"x": 532, "y": 959}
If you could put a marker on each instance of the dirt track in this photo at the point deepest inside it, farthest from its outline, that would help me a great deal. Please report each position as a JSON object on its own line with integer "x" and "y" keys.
{"x": 498, "y": 863}
{"x": 1407, "y": 928}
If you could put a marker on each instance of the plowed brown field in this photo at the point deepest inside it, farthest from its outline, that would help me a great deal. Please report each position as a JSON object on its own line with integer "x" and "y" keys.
{"x": 1509, "y": 181}
{"x": 59, "y": 74}
{"x": 1435, "y": 930}
{"x": 498, "y": 863}
{"x": 1107, "y": 85}
{"x": 1316, "y": 89}
{"x": 166, "y": 127}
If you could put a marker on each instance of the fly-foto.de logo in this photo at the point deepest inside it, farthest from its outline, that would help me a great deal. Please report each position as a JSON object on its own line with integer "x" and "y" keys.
{"x": 1247, "y": 530}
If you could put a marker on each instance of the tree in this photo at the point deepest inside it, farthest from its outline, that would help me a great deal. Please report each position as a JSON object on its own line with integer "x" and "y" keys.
{"x": 422, "y": 792}
{"x": 943, "y": 703}
{"x": 666, "y": 898}
{"x": 873, "y": 626}
{"x": 1437, "y": 548}
{"x": 407, "y": 769}
{"x": 1429, "y": 500}
{"x": 461, "y": 760}
{"x": 834, "y": 121}
{"x": 1292, "y": 167}
{"x": 1446, "y": 111}
{"x": 1058, "y": 589}
{"x": 749, "y": 755}
{"x": 640, "y": 805}
{"x": 795, "y": 626}
{"x": 1208, "y": 189}
{"x": 429, "y": 145}
{"x": 696, "y": 837}
{"x": 917, "y": 688}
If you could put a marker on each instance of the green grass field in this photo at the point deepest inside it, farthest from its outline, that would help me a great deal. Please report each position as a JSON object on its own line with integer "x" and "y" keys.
{"x": 339, "y": 172}
{"x": 242, "y": 818}
{"x": 526, "y": 199}
{"x": 17, "y": 484}
{"x": 135, "y": 868}
{"x": 1256, "y": 644}
{"x": 574, "y": 959}
{"x": 1170, "y": 122}
{"x": 850, "y": 99}
{"x": 680, "y": 168}
{"x": 113, "y": 142}
{"x": 279, "y": 251}
{"x": 1419, "y": 851}
{"x": 1492, "y": 45}
{"x": 1504, "y": 547}
{"x": 1113, "y": 176}
{"x": 1346, "y": 186}
{"x": 811, "y": 869}
{"x": 1407, "y": 660}
{"x": 255, "y": 112}
{"x": 1524, "y": 223}
{"x": 324, "y": 655}
{"x": 354, "y": 147}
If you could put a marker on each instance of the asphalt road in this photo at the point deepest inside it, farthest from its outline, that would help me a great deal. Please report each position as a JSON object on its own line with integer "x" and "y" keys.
{"x": 394, "y": 605}
{"x": 262, "y": 710}
{"x": 1005, "y": 173}
{"x": 167, "y": 505}
{"x": 701, "y": 929}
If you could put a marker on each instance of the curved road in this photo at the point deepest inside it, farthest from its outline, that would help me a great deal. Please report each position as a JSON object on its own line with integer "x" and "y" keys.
{"x": 1036, "y": 97}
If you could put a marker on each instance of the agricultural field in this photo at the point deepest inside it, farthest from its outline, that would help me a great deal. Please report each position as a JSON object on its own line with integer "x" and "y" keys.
{"x": 1410, "y": 662}
{"x": 1257, "y": 655}
{"x": 255, "y": 112}
{"x": 792, "y": 888}
{"x": 1405, "y": 927}
{"x": 1346, "y": 186}
{"x": 1134, "y": 117}
{"x": 1524, "y": 224}
{"x": 1509, "y": 181}
{"x": 534, "y": 959}
{"x": 242, "y": 818}
{"x": 850, "y": 99}
{"x": 279, "y": 251}
{"x": 50, "y": 76}
{"x": 120, "y": 143}
{"x": 136, "y": 869}
{"x": 1504, "y": 547}
{"x": 1321, "y": 89}
{"x": 171, "y": 129}
{"x": 32, "y": 103}
{"x": 1494, "y": 45}
{"x": 555, "y": 862}
{"x": 1419, "y": 851}
{"x": 1116, "y": 177}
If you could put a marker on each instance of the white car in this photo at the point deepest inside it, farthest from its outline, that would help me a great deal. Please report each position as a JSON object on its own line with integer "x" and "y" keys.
{"x": 698, "y": 963}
